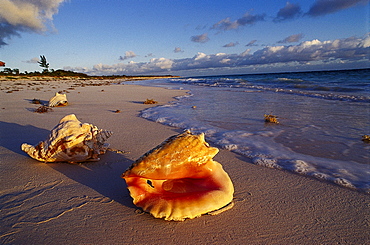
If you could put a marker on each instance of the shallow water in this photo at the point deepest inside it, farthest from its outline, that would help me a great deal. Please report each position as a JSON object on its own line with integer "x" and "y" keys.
{"x": 319, "y": 133}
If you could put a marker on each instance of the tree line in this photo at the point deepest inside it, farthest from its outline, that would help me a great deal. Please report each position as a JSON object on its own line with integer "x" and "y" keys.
{"x": 52, "y": 73}
{"x": 59, "y": 73}
{"x": 46, "y": 71}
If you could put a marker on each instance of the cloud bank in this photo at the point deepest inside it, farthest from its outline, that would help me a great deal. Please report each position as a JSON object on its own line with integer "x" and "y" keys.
{"x": 340, "y": 50}
{"x": 17, "y": 16}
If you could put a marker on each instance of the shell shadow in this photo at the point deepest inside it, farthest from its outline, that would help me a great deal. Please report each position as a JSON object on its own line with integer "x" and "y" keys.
{"x": 138, "y": 102}
{"x": 14, "y": 135}
{"x": 42, "y": 102}
{"x": 103, "y": 176}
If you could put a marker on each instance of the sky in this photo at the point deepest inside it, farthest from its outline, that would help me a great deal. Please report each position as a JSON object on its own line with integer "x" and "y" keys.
{"x": 185, "y": 38}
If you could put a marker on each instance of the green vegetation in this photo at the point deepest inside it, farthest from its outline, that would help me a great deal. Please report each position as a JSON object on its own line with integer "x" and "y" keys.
{"x": 52, "y": 73}
{"x": 16, "y": 74}
{"x": 43, "y": 63}
{"x": 46, "y": 72}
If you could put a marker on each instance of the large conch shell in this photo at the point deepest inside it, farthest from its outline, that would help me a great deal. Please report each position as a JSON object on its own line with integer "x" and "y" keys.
{"x": 179, "y": 179}
{"x": 70, "y": 141}
{"x": 58, "y": 100}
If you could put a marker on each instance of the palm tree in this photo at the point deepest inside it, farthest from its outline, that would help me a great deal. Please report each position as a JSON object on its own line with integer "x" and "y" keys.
{"x": 43, "y": 63}
{"x": 8, "y": 70}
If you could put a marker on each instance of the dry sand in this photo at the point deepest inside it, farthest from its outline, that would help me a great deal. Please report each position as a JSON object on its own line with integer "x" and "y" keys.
{"x": 59, "y": 203}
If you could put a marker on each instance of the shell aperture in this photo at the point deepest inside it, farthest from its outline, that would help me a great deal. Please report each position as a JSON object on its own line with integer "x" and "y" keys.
{"x": 179, "y": 179}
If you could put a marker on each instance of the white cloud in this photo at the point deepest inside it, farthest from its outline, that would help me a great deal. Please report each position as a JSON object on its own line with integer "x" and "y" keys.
{"x": 331, "y": 51}
{"x": 203, "y": 38}
{"x": 366, "y": 42}
{"x": 231, "y": 44}
{"x": 162, "y": 63}
{"x": 324, "y": 7}
{"x": 225, "y": 61}
{"x": 21, "y": 13}
{"x": 252, "y": 43}
{"x": 247, "y": 19}
{"x": 200, "y": 56}
{"x": 128, "y": 55}
{"x": 292, "y": 39}
{"x": 245, "y": 53}
{"x": 290, "y": 11}
{"x": 275, "y": 49}
{"x": 226, "y": 24}
{"x": 26, "y": 15}
{"x": 34, "y": 60}
{"x": 178, "y": 50}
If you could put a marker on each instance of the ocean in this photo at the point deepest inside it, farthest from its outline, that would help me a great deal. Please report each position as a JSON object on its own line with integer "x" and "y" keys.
{"x": 322, "y": 117}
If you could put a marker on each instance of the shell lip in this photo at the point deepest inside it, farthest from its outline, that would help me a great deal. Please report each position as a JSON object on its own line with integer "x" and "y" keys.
{"x": 175, "y": 197}
{"x": 179, "y": 179}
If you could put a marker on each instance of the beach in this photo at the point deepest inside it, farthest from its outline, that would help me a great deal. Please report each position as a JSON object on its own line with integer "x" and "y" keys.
{"x": 88, "y": 203}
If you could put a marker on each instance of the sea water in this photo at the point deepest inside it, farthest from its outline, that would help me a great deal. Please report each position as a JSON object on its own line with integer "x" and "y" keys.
{"x": 322, "y": 118}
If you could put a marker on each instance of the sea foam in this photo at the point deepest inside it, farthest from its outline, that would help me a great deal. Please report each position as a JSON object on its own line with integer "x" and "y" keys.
{"x": 232, "y": 119}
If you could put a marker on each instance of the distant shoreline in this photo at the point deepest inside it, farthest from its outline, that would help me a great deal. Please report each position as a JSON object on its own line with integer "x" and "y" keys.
{"x": 11, "y": 77}
{"x": 287, "y": 72}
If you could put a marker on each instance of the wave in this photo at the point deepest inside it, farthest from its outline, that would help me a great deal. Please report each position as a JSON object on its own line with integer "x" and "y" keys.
{"x": 295, "y": 86}
{"x": 328, "y": 96}
{"x": 261, "y": 150}
{"x": 315, "y": 140}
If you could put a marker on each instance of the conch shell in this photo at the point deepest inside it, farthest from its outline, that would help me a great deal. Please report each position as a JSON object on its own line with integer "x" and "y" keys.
{"x": 70, "y": 141}
{"x": 58, "y": 100}
{"x": 179, "y": 179}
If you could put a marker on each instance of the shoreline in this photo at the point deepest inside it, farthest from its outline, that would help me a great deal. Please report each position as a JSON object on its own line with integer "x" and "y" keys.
{"x": 89, "y": 203}
{"x": 12, "y": 77}
{"x": 16, "y": 82}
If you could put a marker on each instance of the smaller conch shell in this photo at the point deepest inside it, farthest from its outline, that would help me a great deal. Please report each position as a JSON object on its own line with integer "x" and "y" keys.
{"x": 179, "y": 179}
{"x": 58, "y": 100}
{"x": 70, "y": 141}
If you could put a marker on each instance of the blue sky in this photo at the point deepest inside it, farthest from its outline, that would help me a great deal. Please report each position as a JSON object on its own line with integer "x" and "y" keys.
{"x": 192, "y": 37}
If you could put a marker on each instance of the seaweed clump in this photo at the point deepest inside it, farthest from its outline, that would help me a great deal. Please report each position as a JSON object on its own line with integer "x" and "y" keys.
{"x": 271, "y": 118}
{"x": 366, "y": 138}
{"x": 43, "y": 109}
{"x": 150, "y": 101}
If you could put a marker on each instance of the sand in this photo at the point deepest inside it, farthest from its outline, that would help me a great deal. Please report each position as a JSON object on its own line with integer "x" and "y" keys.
{"x": 60, "y": 203}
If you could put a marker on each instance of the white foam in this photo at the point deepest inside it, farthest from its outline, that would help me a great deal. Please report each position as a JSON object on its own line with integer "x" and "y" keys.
{"x": 260, "y": 146}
